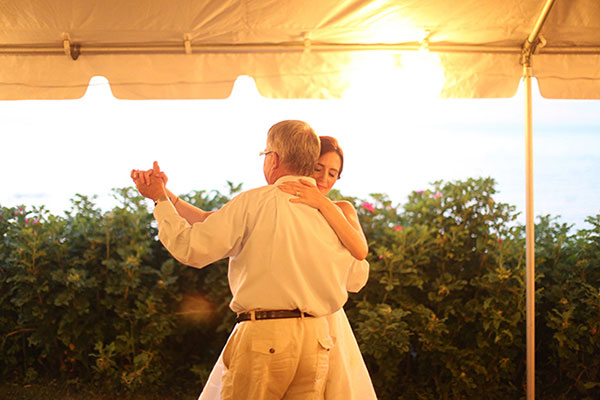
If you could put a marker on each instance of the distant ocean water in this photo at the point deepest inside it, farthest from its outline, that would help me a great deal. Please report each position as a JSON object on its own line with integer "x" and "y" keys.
{"x": 391, "y": 148}
{"x": 567, "y": 173}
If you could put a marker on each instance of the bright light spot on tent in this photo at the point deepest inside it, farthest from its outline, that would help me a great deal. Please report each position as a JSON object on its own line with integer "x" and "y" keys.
{"x": 383, "y": 76}
{"x": 99, "y": 89}
{"x": 394, "y": 29}
{"x": 385, "y": 21}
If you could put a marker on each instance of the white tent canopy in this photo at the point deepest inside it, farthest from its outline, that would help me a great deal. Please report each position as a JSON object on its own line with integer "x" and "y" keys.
{"x": 196, "y": 49}
{"x": 180, "y": 49}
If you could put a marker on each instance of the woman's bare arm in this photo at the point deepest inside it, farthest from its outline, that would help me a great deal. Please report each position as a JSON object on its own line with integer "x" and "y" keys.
{"x": 345, "y": 224}
{"x": 189, "y": 212}
{"x": 346, "y": 227}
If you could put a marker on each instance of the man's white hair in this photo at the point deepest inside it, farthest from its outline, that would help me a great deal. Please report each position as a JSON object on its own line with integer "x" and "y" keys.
{"x": 297, "y": 145}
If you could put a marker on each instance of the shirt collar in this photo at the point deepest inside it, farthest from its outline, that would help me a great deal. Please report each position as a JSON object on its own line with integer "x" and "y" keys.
{"x": 295, "y": 178}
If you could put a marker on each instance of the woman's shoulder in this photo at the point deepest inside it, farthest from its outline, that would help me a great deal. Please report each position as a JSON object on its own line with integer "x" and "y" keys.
{"x": 345, "y": 206}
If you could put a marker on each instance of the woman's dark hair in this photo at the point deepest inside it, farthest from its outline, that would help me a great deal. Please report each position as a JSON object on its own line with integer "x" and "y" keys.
{"x": 328, "y": 145}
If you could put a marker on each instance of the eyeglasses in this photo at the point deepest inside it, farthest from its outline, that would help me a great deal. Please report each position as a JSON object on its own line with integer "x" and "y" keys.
{"x": 266, "y": 152}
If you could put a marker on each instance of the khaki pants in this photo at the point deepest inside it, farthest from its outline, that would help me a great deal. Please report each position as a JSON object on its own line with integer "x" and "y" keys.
{"x": 277, "y": 359}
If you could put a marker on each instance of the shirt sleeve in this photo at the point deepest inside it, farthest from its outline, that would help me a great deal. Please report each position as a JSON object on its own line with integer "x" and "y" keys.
{"x": 202, "y": 243}
{"x": 359, "y": 274}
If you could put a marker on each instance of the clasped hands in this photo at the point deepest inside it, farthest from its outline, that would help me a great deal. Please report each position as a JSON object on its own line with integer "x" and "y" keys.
{"x": 150, "y": 183}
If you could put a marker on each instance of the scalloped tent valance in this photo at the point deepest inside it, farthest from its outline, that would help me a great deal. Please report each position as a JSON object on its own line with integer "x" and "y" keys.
{"x": 183, "y": 49}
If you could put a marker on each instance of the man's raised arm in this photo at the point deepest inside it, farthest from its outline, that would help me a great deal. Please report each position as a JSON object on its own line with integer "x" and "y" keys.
{"x": 199, "y": 244}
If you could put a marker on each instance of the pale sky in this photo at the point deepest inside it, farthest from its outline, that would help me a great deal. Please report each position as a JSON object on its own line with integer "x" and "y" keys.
{"x": 55, "y": 149}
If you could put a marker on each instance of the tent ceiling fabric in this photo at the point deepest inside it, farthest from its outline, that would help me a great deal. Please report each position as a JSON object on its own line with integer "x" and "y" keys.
{"x": 292, "y": 49}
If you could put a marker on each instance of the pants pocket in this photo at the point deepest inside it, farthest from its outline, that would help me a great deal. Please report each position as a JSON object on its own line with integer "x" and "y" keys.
{"x": 323, "y": 357}
{"x": 272, "y": 361}
{"x": 257, "y": 368}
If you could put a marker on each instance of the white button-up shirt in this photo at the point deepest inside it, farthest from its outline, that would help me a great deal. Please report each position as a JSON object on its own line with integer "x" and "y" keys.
{"x": 282, "y": 256}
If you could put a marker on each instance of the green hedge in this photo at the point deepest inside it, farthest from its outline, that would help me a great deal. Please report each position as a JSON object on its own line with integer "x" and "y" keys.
{"x": 92, "y": 298}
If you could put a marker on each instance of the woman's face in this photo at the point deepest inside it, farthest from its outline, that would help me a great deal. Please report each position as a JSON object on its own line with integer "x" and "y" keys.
{"x": 327, "y": 171}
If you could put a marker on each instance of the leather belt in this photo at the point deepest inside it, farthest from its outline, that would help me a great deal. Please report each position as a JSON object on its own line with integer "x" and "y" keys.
{"x": 271, "y": 314}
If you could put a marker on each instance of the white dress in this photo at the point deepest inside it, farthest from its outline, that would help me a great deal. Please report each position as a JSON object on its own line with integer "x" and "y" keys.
{"x": 348, "y": 377}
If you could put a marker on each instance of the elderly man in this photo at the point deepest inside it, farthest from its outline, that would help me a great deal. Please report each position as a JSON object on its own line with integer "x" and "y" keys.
{"x": 287, "y": 271}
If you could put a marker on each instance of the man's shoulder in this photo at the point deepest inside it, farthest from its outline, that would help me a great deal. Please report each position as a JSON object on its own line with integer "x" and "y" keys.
{"x": 255, "y": 191}
{"x": 252, "y": 194}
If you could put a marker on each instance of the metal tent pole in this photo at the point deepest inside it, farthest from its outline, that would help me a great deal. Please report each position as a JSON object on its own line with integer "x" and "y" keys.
{"x": 528, "y": 50}
{"x": 530, "y": 241}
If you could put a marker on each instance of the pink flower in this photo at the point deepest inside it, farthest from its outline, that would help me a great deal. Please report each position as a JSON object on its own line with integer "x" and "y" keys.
{"x": 398, "y": 228}
{"x": 500, "y": 240}
{"x": 421, "y": 192}
{"x": 437, "y": 195}
{"x": 368, "y": 206}
{"x": 381, "y": 257}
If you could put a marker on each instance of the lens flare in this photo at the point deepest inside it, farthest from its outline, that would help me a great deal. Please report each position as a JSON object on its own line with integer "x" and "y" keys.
{"x": 196, "y": 308}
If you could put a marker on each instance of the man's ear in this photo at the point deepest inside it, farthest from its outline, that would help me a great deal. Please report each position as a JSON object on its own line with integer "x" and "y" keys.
{"x": 276, "y": 162}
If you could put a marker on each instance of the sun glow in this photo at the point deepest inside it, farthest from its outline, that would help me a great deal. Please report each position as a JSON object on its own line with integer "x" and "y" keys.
{"x": 396, "y": 77}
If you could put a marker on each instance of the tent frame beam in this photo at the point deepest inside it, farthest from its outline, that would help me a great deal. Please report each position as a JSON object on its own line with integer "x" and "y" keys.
{"x": 186, "y": 47}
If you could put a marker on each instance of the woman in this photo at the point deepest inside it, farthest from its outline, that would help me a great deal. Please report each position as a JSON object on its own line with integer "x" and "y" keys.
{"x": 327, "y": 172}
{"x": 348, "y": 377}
